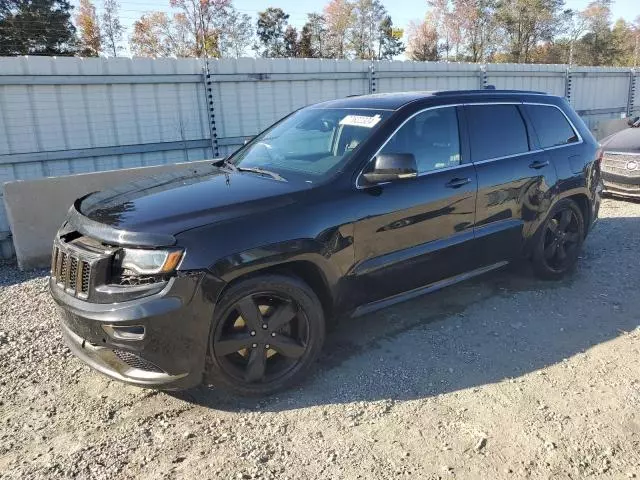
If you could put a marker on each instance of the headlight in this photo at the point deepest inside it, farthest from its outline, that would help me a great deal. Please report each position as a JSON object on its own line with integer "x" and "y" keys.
{"x": 148, "y": 262}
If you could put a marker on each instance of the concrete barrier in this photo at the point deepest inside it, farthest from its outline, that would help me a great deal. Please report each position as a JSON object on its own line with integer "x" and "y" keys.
{"x": 37, "y": 208}
{"x": 609, "y": 127}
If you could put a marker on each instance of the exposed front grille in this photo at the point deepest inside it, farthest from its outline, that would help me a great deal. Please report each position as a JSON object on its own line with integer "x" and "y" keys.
{"x": 84, "y": 278}
{"x": 78, "y": 265}
{"x": 70, "y": 271}
{"x": 73, "y": 271}
{"x": 134, "y": 361}
{"x": 620, "y": 164}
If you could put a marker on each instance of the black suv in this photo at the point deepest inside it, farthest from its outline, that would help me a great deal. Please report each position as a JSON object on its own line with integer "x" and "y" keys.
{"x": 347, "y": 206}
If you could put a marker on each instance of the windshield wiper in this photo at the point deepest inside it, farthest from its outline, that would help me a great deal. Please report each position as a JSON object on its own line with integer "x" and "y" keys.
{"x": 224, "y": 163}
{"x": 262, "y": 171}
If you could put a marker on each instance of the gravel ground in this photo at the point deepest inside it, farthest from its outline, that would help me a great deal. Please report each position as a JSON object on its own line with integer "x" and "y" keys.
{"x": 501, "y": 377}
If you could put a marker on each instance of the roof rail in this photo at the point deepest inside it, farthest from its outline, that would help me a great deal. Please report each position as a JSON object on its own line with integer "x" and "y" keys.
{"x": 485, "y": 91}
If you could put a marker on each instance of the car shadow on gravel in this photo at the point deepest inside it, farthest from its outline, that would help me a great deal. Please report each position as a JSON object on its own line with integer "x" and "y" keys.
{"x": 499, "y": 326}
{"x": 11, "y": 275}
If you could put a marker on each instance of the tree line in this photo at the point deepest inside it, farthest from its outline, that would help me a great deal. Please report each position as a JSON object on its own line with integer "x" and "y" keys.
{"x": 521, "y": 31}
{"x": 524, "y": 31}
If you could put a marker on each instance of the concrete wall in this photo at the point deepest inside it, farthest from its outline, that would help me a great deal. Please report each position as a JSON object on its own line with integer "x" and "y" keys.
{"x": 37, "y": 208}
{"x": 609, "y": 127}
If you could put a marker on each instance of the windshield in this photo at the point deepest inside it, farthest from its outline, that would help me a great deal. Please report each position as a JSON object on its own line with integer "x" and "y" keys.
{"x": 312, "y": 142}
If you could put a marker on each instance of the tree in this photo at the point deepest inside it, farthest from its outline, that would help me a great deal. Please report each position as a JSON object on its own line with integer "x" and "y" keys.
{"x": 555, "y": 51}
{"x": 444, "y": 23}
{"x": 204, "y": 20}
{"x": 339, "y": 16}
{"x": 89, "y": 29}
{"x": 112, "y": 29}
{"x": 314, "y": 32}
{"x": 574, "y": 23}
{"x": 236, "y": 34}
{"x": 597, "y": 45}
{"x": 194, "y": 31}
{"x": 389, "y": 44}
{"x": 305, "y": 50}
{"x": 368, "y": 14}
{"x": 291, "y": 49}
{"x": 476, "y": 27}
{"x": 422, "y": 44}
{"x": 271, "y": 25}
{"x": 156, "y": 35}
{"x": 525, "y": 23}
{"x": 636, "y": 42}
{"x": 36, "y": 27}
{"x": 626, "y": 42}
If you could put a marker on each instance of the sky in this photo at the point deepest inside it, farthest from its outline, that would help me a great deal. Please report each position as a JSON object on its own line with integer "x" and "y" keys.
{"x": 401, "y": 11}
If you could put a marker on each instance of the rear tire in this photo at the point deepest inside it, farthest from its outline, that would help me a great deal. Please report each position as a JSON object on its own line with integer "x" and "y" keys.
{"x": 559, "y": 241}
{"x": 266, "y": 333}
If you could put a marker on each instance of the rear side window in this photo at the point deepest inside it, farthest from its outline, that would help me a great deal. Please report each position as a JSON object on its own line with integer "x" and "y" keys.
{"x": 496, "y": 131}
{"x": 551, "y": 125}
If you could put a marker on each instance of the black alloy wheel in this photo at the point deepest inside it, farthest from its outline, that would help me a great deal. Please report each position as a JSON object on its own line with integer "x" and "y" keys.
{"x": 560, "y": 241}
{"x": 267, "y": 333}
{"x": 561, "y": 238}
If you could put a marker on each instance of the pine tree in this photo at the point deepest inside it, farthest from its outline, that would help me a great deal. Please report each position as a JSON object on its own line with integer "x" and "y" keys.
{"x": 389, "y": 43}
{"x": 271, "y": 26}
{"x": 36, "y": 27}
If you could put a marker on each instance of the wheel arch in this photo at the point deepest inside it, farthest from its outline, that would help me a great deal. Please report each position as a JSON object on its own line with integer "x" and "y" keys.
{"x": 580, "y": 197}
{"x": 583, "y": 201}
{"x": 304, "y": 269}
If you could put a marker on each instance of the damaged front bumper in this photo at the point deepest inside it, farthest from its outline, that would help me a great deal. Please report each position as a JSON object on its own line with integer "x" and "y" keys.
{"x": 158, "y": 341}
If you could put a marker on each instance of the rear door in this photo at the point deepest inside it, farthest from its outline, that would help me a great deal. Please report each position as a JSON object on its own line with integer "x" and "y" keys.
{"x": 515, "y": 178}
{"x": 557, "y": 136}
{"x": 417, "y": 231}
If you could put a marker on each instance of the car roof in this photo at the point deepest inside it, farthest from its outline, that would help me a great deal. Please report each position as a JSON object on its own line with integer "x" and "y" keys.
{"x": 394, "y": 101}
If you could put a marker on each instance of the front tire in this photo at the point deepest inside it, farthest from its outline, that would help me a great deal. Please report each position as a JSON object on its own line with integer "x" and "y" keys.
{"x": 266, "y": 333}
{"x": 559, "y": 241}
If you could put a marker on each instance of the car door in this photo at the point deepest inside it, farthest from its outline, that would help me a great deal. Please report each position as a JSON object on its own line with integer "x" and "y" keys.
{"x": 556, "y": 135}
{"x": 515, "y": 179}
{"x": 416, "y": 231}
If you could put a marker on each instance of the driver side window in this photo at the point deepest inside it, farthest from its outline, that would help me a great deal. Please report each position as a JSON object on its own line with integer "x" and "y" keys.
{"x": 432, "y": 137}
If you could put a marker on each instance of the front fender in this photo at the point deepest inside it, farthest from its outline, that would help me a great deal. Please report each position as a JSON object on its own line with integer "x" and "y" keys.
{"x": 253, "y": 260}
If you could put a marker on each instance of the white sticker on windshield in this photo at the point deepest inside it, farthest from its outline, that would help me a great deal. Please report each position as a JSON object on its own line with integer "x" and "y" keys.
{"x": 360, "y": 121}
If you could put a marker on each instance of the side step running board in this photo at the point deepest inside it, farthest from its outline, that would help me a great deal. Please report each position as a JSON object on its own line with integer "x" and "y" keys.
{"x": 417, "y": 292}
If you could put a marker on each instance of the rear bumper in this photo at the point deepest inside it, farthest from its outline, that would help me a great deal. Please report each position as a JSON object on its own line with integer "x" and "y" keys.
{"x": 170, "y": 333}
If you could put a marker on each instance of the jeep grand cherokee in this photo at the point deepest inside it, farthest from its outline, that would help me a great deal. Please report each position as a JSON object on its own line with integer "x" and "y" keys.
{"x": 227, "y": 277}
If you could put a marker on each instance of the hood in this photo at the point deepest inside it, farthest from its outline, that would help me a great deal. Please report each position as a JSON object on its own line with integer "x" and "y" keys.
{"x": 172, "y": 203}
{"x": 627, "y": 141}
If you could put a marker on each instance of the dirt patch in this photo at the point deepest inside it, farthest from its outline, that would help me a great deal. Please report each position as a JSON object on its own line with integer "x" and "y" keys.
{"x": 501, "y": 377}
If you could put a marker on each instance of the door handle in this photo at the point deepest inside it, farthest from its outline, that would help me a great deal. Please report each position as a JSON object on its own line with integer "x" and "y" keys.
{"x": 457, "y": 182}
{"x": 539, "y": 164}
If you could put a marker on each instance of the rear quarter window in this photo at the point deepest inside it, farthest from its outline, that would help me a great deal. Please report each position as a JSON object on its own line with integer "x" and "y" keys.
{"x": 496, "y": 131}
{"x": 551, "y": 126}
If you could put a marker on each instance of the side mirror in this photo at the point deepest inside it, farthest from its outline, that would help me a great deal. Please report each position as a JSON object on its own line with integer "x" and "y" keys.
{"x": 392, "y": 166}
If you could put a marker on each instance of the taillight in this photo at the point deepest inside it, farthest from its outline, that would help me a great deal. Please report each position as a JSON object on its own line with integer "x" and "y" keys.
{"x": 599, "y": 155}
